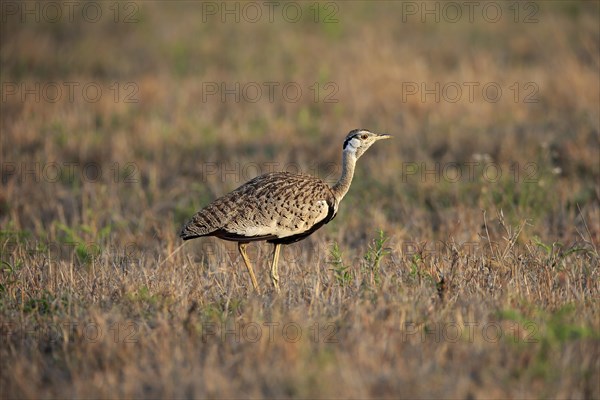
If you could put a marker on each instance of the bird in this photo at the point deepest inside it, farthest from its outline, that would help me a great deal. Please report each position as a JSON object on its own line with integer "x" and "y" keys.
{"x": 279, "y": 207}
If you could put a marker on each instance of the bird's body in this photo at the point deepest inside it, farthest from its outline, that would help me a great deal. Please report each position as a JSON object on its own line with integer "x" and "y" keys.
{"x": 279, "y": 207}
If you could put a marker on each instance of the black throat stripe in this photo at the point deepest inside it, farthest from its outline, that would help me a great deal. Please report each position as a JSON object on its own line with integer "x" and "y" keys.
{"x": 351, "y": 136}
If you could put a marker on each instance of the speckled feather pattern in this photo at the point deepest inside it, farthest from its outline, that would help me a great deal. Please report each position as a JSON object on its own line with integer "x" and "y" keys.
{"x": 273, "y": 207}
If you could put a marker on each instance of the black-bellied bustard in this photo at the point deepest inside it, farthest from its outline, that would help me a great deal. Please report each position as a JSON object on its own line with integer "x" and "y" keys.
{"x": 279, "y": 207}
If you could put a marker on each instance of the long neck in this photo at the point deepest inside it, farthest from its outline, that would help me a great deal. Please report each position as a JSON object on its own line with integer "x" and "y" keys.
{"x": 343, "y": 184}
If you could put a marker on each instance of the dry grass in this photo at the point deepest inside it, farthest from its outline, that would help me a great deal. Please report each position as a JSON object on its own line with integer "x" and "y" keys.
{"x": 477, "y": 288}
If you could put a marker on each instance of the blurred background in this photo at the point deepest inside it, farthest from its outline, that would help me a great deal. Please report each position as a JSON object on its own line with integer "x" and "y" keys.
{"x": 119, "y": 120}
{"x": 150, "y": 110}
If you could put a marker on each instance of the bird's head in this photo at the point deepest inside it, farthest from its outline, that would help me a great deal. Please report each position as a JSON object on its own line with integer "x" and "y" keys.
{"x": 359, "y": 140}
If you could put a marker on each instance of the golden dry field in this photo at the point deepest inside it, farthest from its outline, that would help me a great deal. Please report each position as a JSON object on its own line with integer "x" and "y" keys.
{"x": 463, "y": 262}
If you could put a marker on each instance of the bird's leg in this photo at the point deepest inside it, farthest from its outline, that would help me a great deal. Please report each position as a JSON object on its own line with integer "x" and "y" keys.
{"x": 242, "y": 249}
{"x": 274, "y": 273}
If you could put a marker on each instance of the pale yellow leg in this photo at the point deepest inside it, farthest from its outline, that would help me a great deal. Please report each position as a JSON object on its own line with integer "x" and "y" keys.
{"x": 274, "y": 273}
{"x": 242, "y": 249}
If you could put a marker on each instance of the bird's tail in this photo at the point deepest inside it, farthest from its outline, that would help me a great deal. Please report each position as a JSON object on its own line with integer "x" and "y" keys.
{"x": 189, "y": 231}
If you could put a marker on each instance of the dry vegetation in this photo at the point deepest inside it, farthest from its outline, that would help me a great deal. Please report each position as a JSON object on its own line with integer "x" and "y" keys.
{"x": 425, "y": 285}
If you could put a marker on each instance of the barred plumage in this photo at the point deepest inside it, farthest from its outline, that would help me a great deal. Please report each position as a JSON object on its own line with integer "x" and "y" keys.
{"x": 279, "y": 207}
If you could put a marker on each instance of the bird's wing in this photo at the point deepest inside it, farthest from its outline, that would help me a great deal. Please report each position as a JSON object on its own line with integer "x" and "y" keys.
{"x": 271, "y": 206}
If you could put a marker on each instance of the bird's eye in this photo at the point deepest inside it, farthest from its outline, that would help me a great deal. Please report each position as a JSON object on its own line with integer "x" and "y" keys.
{"x": 364, "y": 136}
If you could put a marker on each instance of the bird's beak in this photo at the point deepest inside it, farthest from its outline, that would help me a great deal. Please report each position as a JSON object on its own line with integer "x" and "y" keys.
{"x": 383, "y": 136}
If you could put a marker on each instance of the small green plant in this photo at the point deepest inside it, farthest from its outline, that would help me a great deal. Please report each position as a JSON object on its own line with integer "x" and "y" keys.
{"x": 342, "y": 274}
{"x": 45, "y": 303}
{"x": 414, "y": 265}
{"x": 144, "y": 295}
{"x": 556, "y": 253}
{"x": 374, "y": 255}
{"x": 14, "y": 236}
{"x": 8, "y": 275}
{"x": 86, "y": 252}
